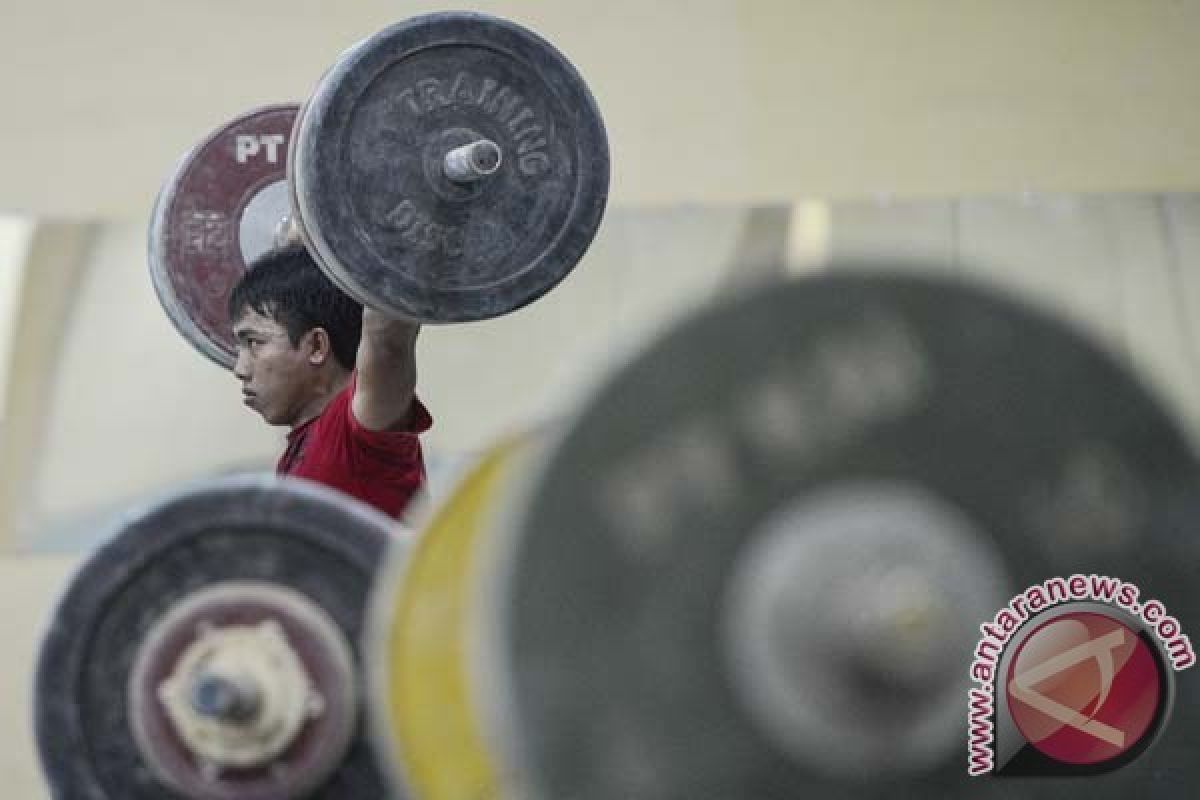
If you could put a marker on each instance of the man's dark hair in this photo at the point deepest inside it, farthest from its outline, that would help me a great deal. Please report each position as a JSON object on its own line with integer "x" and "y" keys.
{"x": 286, "y": 286}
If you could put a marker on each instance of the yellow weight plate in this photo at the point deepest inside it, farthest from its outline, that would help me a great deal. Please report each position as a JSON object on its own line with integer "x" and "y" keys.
{"x": 425, "y": 727}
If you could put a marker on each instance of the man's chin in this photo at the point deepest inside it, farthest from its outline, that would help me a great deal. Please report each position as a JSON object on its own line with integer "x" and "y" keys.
{"x": 274, "y": 421}
{"x": 253, "y": 403}
{"x": 249, "y": 402}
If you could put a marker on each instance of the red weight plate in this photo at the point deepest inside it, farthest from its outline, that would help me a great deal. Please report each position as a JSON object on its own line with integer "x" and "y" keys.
{"x": 220, "y": 209}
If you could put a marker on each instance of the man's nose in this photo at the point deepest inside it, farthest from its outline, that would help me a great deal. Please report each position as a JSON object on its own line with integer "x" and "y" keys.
{"x": 241, "y": 367}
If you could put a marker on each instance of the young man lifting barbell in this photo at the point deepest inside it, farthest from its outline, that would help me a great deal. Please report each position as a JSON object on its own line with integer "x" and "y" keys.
{"x": 464, "y": 202}
{"x": 340, "y": 376}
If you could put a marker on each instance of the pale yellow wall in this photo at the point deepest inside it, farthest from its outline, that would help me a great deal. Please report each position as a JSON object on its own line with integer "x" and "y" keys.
{"x": 15, "y": 234}
{"x": 709, "y": 101}
{"x": 54, "y": 261}
{"x": 133, "y": 408}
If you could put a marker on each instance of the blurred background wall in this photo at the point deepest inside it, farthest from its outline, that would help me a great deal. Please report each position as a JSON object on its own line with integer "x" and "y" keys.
{"x": 1051, "y": 148}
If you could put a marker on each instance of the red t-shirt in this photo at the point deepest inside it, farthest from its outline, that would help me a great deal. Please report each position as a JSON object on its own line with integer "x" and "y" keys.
{"x": 381, "y": 468}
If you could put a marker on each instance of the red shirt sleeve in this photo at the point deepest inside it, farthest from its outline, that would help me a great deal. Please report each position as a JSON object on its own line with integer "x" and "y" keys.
{"x": 381, "y": 468}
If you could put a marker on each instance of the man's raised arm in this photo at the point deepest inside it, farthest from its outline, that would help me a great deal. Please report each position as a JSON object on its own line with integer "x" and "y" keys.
{"x": 387, "y": 372}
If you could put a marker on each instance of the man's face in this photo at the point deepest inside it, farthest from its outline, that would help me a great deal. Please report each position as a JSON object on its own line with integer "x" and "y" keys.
{"x": 275, "y": 375}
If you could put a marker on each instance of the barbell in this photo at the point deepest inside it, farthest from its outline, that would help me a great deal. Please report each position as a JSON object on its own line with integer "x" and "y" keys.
{"x": 210, "y": 649}
{"x": 452, "y": 167}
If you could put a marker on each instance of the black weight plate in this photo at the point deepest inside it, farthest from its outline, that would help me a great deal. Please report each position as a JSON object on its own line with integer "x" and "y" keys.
{"x": 254, "y": 528}
{"x": 367, "y": 175}
{"x": 606, "y": 663}
{"x": 216, "y": 213}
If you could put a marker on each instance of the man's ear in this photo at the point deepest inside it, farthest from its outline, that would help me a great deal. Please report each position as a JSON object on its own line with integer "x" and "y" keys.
{"x": 321, "y": 347}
